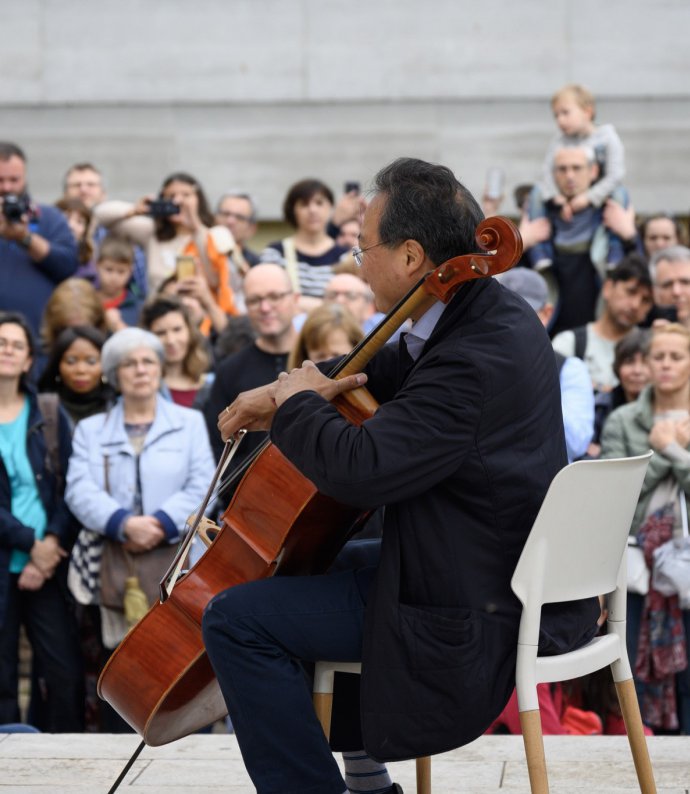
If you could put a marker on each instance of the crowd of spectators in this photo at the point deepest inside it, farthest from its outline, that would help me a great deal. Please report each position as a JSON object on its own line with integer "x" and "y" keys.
{"x": 143, "y": 318}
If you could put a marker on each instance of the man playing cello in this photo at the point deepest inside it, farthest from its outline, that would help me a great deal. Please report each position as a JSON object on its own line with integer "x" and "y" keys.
{"x": 461, "y": 451}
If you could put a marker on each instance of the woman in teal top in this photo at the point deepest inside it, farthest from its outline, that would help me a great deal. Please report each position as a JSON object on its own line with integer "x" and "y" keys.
{"x": 35, "y": 531}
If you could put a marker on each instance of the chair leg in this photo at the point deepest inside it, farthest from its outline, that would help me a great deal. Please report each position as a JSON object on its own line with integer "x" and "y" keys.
{"x": 530, "y": 722}
{"x": 630, "y": 708}
{"x": 424, "y": 775}
{"x": 323, "y": 706}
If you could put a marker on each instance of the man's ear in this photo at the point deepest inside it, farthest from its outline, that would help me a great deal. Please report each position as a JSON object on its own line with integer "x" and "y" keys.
{"x": 595, "y": 171}
{"x": 417, "y": 262}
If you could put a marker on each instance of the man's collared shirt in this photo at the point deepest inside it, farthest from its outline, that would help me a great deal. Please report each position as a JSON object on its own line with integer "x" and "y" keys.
{"x": 422, "y": 330}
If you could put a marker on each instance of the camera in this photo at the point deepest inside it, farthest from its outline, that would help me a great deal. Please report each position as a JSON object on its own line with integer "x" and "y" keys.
{"x": 161, "y": 208}
{"x": 15, "y": 206}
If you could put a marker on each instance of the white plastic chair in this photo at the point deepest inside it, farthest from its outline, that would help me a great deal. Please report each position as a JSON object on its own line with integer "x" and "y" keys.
{"x": 324, "y": 674}
{"x": 576, "y": 550}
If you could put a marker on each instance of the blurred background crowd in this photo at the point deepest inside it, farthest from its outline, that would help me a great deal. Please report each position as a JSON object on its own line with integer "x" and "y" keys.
{"x": 128, "y": 322}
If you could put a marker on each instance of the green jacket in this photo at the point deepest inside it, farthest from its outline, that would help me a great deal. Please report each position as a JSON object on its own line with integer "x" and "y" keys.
{"x": 626, "y": 433}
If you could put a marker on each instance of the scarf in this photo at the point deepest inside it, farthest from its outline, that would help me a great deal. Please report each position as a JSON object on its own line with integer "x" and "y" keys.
{"x": 661, "y": 651}
{"x": 81, "y": 405}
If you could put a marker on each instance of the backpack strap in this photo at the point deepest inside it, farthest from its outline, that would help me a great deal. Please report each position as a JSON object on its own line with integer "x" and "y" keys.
{"x": 580, "y": 341}
{"x": 48, "y": 405}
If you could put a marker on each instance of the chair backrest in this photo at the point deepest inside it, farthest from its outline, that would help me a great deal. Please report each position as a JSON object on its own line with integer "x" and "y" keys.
{"x": 578, "y": 539}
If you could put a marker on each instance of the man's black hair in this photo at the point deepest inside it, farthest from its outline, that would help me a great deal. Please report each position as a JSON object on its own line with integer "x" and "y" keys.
{"x": 426, "y": 203}
{"x": 632, "y": 266}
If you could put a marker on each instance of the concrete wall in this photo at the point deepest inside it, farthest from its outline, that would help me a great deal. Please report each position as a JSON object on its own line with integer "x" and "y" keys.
{"x": 258, "y": 93}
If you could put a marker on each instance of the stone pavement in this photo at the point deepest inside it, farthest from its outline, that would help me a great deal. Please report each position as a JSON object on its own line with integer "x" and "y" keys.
{"x": 70, "y": 764}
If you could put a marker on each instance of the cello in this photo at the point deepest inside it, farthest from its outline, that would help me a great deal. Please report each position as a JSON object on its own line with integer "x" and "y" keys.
{"x": 159, "y": 679}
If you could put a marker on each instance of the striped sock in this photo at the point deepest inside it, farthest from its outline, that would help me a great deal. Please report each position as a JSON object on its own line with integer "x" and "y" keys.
{"x": 363, "y": 775}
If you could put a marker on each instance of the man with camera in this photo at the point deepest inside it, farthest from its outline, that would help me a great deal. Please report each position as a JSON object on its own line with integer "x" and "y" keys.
{"x": 37, "y": 249}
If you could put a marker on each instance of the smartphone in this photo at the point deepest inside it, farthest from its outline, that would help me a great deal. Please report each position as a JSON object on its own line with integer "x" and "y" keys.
{"x": 353, "y": 186}
{"x": 495, "y": 183}
{"x": 160, "y": 208}
{"x": 185, "y": 267}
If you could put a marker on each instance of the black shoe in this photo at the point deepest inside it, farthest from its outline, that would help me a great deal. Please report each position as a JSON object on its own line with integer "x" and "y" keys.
{"x": 395, "y": 789}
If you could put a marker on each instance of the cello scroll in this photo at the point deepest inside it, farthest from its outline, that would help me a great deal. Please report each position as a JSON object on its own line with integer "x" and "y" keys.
{"x": 500, "y": 239}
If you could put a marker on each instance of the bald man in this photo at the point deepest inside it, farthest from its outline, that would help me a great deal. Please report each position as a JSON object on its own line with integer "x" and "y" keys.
{"x": 271, "y": 307}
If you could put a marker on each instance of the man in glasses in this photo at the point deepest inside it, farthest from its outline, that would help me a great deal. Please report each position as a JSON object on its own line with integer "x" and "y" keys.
{"x": 461, "y": 451}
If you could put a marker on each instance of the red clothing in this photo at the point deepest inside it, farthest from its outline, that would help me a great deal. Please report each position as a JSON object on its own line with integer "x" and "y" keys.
{"x": 114, "y": 303}
{"x": 184, "y": 397}
{"x": 549, "y": 708}
{"x": 560, "y": 718}
{"x": 557, "y": 717}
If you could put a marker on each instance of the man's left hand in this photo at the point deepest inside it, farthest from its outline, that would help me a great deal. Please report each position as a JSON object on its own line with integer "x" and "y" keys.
{"x": 309, "y": 378}
{"x": 620, "y": 220}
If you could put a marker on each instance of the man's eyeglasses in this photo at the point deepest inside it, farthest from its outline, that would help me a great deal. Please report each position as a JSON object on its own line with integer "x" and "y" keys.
{"x": 357, "y": 252}
{"x": 273, "y": 298}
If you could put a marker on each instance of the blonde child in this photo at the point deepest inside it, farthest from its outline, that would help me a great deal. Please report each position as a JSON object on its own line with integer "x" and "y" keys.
{"x": 574, "y": 110}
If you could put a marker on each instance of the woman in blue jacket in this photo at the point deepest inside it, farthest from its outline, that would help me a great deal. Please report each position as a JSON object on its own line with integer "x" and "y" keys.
{"x": 140, "y": 469}
{"x": 35, "y": 529}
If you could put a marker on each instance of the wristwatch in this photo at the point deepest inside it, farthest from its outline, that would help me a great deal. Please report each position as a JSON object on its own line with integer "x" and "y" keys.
{"x": 25, "y": 242}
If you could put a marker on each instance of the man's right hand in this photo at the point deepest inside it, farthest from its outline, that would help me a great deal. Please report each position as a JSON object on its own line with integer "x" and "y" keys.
{"x": 251, "y": 410}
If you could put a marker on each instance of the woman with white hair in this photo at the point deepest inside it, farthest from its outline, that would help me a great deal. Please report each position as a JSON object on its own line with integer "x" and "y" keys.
{"x": 140, "y": 469}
